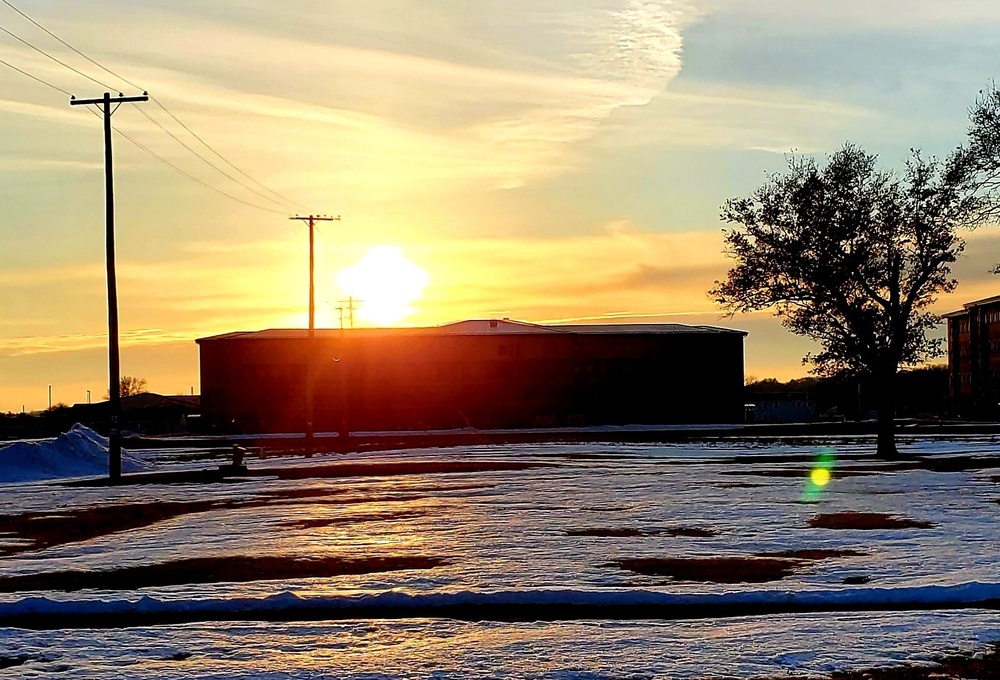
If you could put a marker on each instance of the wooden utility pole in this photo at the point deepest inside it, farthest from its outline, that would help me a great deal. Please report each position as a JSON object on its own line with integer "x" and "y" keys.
{"x": 349, "y": 305}
{"x": 114, "y": 373}
{"x": 311, "y": 346}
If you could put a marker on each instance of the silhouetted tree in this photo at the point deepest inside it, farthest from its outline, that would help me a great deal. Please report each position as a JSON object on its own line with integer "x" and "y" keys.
{"x": 853, "y": 256}
{"x": 129, "y": 386}
{"x": 982, "y": 154}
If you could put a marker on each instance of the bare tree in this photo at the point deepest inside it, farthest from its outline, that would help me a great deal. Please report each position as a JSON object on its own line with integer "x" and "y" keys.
{"x": 129, "y": 386}
{"x": 854, "y": 256}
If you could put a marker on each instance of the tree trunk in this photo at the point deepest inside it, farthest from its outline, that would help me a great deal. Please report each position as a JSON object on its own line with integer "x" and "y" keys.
{"x": 886, "y": 427}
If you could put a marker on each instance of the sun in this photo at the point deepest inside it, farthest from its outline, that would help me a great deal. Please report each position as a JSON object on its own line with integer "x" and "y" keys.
{"x": 385, "y": 284}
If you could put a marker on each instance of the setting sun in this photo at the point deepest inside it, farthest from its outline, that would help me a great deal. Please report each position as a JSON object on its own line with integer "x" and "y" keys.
{"x": 385, "y": 284}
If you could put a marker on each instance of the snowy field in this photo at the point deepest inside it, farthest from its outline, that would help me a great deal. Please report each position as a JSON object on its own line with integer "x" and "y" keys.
{"x": 536, "y": 561}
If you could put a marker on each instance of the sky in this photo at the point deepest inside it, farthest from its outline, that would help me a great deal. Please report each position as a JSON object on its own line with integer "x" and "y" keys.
{"x": 543, "y": 160}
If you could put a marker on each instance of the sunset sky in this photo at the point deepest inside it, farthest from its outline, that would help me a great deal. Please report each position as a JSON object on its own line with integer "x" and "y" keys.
{"x": 544, "y": 160}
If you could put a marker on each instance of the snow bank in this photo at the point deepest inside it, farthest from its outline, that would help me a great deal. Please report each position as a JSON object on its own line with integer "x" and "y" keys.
{"x": 80, "y": 452}
{"x": 529, "y": 604}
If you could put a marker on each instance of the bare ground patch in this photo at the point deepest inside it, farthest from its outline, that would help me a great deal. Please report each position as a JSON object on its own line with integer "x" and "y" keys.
{"x": 812, "y": 554}
{"x": 40, "y": 530}
{"x": 972, "y": 666}
{"x": 610, "y": 532}
{"x": 712, "y": 569}
{"x": 865, "y": 521}
{"x": 760, "y": 568}
{"x": 228, "y": 569}
{"x": 625, "y": 532}
{"x": 326, "y": 471}
{"x": 35, "y": 531}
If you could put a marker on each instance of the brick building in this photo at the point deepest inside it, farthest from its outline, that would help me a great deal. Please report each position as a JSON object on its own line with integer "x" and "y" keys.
{"x": 483, "y": 374}
{"x": 974, "y": 357}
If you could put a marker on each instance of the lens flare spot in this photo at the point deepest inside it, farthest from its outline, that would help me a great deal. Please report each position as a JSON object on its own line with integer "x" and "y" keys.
{"x": 820, "y": 476}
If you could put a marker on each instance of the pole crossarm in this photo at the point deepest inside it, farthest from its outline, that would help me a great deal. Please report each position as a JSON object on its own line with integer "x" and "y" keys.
{"x": 107, "y": 98}
{"x": 307, "y": 218}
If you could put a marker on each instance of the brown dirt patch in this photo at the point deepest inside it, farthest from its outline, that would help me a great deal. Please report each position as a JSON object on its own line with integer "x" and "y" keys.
{"x": 329, "y": 471}
{"x": 802, "y": 473}
{"x": 692, "y": 532}
{"x": 856, "y": 580}
{"x": 626, "y": 532}
{"x": 308, "y": 492}
{"x": 811, "y": 554}
{"x": 40, "y": 530}
{"x": 231, "y": 569}
{"x": 713, "y": 569}
{"x": 12, "y": 661}
{"x": 609, "y": 532}
{"x": 865, "y": 521}
{"x": 986, "y": 667}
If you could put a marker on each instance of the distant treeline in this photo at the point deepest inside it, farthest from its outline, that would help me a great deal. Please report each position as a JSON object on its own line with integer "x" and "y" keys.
{"x": 922, "y": 392}
{"x": 46, "y": 423}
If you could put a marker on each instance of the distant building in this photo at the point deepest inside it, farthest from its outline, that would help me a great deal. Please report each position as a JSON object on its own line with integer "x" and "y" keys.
{"x": 482, "y": 374}
{"x": 781, "y": 407}
{"x": 974, "y": 357}
{"x": 144, "y": 413}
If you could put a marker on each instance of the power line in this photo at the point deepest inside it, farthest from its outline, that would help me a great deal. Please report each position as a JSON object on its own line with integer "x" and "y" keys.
{"x": 58, "y": 61}
{"x": 96, "y": 63}
{"x": 282, "y": 198}
{"x": 188, "y": 175}
{"x": 43, "y": 82}
{"x": 205, "y": 160}
{"x": 66, "y": 44}
{"x": 195, "y": 179}
{"x": 224, "y": 159}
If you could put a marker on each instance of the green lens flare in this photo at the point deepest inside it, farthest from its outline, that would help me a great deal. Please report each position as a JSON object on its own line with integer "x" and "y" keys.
{"x": 819, "y": 475}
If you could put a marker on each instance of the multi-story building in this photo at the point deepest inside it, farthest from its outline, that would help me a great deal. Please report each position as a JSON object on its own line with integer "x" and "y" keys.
{"x": 482, "y": 374}
{"x": 974, "y": 357}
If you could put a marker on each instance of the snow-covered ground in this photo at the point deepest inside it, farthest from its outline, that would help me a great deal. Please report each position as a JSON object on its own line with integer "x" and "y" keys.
{"x": 570, "y": 532}
{"x": 80, "y": 452}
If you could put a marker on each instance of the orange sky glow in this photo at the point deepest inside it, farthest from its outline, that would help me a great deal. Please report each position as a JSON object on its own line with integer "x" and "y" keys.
{"x": 557, "y": 161}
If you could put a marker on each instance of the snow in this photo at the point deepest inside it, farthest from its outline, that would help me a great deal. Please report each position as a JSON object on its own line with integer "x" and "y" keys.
{"x": 546, "y": 603}
{"x": 507, "y": 537}
{"x": 79, "y": 452}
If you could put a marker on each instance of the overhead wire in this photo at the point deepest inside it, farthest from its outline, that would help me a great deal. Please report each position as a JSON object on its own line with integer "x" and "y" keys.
{"x": 186, "y": 174}
{"x": 43, "y": 82}
{"x": 223, "y": 158}
{"x": 205, "y": 160}
{"x": 284, "y": 199}
{"x": 58, "y": 61}
{"x": 66, "y": 44}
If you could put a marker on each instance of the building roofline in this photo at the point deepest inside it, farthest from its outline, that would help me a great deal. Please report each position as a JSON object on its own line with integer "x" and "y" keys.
{"x": 481, "y": 327}
{"x": 980, "y": 303}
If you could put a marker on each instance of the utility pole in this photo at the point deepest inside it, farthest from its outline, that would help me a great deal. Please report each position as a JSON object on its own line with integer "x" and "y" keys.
{"x": 114, "y": 372}
{"x": 349, "y": 305}
{"x": 311, "y": 346}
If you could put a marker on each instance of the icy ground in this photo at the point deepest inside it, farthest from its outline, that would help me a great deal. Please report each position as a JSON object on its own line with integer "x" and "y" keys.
{"x": 564, "y": 532}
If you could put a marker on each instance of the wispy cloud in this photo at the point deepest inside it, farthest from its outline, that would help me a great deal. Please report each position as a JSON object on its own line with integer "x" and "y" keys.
{"x": 15, "y": 347}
